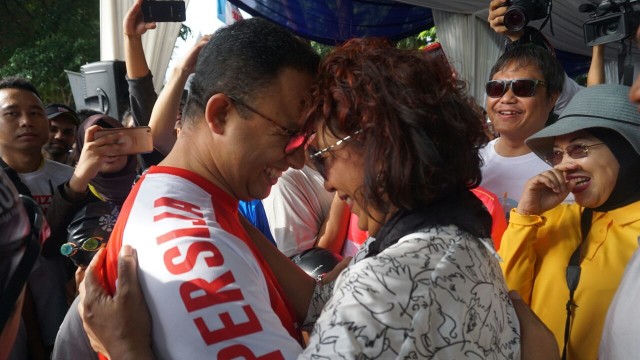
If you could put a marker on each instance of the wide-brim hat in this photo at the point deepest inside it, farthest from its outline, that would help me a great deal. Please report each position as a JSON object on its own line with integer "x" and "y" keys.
{"x": 601, "y": 106}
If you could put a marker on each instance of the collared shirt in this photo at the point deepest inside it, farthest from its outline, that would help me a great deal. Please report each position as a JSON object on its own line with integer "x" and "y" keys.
{"x": 536, "y": 252}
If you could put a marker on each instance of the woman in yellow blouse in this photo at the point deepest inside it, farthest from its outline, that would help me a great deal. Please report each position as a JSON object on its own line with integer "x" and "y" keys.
{"x": 594, "y": 149}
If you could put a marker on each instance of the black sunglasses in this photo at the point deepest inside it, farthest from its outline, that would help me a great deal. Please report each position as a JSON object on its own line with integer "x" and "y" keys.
{"x": 519, "y": 87}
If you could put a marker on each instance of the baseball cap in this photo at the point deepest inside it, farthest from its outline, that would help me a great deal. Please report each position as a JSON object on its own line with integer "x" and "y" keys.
{"x": 55, "y": 110}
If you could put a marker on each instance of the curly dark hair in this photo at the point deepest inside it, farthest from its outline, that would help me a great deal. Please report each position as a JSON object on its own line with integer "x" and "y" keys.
{"x": 420, "y": 130}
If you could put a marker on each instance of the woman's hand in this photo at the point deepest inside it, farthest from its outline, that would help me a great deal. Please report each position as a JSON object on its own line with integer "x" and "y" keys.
{"x": 118, "y": 326}
{"x": 94, "y": 153}
{"x": 544, "y": 192}
{"x": 133, "y": 24}
{"x": 188, "y": 63}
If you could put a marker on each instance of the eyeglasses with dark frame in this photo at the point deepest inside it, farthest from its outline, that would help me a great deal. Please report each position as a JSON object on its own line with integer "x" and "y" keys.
{"x": 296, "y": 138}
{"x": 317, "y": 156}
{"x": 575, "y": 151}
{"x": 519, "y": 87}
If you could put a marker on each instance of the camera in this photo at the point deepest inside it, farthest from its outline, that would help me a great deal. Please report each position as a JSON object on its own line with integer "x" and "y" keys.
{"x": 520, "y": 12}
{"x": 611, "y": 20}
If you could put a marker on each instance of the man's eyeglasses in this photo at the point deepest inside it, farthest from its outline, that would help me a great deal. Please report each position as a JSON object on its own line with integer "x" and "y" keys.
{"x": 520, "y": 87}
{"x": 317, "y": 156}
{"x": 88, "y": 244}
{"x": 296, "y": 138}
{"x": 576, "y": 151}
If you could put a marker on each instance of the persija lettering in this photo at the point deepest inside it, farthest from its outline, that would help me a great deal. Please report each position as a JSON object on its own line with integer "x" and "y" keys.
{"x": 198, "y": 294}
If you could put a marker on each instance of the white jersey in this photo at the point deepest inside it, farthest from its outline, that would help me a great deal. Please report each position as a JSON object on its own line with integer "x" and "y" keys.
{"x": 210, "y": 294}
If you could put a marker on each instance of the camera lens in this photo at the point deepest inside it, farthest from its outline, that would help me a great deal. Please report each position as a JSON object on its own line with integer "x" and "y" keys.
{"x": 611, "y": 29}
{"x": 515, "y": 19}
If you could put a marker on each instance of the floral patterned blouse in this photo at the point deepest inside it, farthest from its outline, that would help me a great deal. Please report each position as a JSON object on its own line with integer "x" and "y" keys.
{"x": 436, "y": 294}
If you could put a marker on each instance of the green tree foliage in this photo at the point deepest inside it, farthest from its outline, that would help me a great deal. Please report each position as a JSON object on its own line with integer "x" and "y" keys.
{"x": 418, "y": 41}
{"x": 42, "y": 38}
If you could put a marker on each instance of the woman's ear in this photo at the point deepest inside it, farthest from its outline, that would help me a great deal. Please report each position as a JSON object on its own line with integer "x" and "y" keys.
{"x": 216, "y": 112}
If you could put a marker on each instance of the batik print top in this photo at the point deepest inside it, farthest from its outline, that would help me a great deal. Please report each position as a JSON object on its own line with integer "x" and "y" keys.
{"x": 435, "y": 294}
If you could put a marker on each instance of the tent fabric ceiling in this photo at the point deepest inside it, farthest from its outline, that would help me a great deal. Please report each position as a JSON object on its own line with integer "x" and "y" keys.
{"x": 567, "y": 21}
{"x": 334, "y": 21}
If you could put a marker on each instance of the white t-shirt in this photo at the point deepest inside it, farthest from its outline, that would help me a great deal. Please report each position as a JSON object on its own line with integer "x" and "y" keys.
{"x": 506, "y": 176}
{"x": 208, "y": 296}
{"x": 43, "y": 181}
{"x": 622, "y": 325}
{"x": 296, "y": 209}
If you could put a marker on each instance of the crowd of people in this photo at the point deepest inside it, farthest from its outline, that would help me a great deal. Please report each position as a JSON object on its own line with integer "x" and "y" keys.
{"x": 455, "y": 246}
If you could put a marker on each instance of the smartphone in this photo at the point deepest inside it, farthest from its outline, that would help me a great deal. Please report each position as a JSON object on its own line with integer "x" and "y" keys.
{"x": 137, "y": 140}
{"x": 163, "y": 11}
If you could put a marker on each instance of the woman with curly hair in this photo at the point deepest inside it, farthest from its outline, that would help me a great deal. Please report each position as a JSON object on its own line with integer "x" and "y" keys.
{"x": 397, "y": 137}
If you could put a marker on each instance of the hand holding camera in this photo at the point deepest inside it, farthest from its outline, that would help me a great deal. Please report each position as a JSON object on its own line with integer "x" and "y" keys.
{"x": 497, "y": 9}
{"x": 509, "y": 17}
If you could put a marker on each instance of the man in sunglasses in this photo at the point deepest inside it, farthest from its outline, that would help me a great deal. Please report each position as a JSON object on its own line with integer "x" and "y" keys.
{"x": 209, "y": 289}
{"x": 525, "y": 84}
{"x": 529, "y": 36}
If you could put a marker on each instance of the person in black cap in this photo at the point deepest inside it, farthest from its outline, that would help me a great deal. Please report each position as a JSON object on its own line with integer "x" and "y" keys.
{"x": 62, "y": 133}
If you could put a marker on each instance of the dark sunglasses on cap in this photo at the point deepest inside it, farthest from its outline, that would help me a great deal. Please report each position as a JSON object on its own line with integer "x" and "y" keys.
{"x": 575, "y": 151}
{"x": 519, "y": 87}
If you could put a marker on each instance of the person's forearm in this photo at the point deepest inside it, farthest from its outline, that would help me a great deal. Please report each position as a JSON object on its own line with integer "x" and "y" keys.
{"x": 334, "y": 229}
{"x": 165, "y": 110}
{"x": 134, "y": 57}
{"x": 297, "y": 285}
{"x": 596, "y": 69}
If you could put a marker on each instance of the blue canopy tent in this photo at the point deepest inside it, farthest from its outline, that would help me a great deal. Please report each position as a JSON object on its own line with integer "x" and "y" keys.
{"x": 333, "y": 21}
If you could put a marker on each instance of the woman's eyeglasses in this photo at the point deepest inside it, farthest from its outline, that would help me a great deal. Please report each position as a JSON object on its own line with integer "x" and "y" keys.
{"x": 317, "y": 156}
{"x": 89, "y": 244}
{"x": 296, "y": 138}
{"x": 519, "y": 87}
{"x": 575, "y": 151}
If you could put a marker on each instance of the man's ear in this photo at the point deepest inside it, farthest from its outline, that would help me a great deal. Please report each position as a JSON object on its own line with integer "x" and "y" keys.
{"x": 216, "y": 112}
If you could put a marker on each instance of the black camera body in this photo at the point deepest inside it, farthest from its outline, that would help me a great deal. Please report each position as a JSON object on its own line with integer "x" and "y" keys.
{"x": 611, "y": 21}
{"x": 520, "y": 12}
